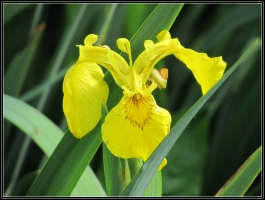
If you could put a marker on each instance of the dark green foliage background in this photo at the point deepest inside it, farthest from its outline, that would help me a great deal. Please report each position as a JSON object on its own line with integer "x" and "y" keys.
{"x": 219, "y": 139}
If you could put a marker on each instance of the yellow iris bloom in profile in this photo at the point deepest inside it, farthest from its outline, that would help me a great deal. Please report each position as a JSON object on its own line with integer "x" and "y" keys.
{"x": 136, "y": 125}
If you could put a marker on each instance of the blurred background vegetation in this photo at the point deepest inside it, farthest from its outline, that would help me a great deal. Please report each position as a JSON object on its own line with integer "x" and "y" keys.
{"x": 39, "y": 46}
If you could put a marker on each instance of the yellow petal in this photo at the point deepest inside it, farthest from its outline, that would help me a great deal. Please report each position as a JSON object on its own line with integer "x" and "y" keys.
{"x": 135, "y": 127}
{"x": 125, "y": 46}
{"x": 90, "y": 39}
{"x": 135, "y": 85}
{"x": 146, "y": 61}
{"x": 84, "y": 90}
{"x": 163, "y": 35}
{"x": 149, "y": 52}
{"x": 101, "y": 55}
{"x": 149, "y": 46}
{"x": 207, "y": 71}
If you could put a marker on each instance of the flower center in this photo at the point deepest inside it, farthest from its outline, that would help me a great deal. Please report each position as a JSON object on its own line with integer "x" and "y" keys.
{"x": 138, "y": 110}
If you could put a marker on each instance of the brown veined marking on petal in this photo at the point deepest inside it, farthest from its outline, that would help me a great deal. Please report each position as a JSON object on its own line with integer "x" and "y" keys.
{"x": 134, "y": 103}
{"x": 149, "y": 81}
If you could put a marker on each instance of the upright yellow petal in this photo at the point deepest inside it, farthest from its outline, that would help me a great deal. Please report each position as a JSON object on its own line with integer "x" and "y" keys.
{"x": 90, "y": 39}
{"x": 207, "y": 71}
{"x": 84, "y": 90}
{"x": 125, "y": 46}
{"x": 146, "y": 61}
{"x": 135, "y": 127}
{"x": 163, "y": 35}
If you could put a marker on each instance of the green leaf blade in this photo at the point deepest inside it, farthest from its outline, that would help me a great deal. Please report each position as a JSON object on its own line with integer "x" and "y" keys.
{"x": 11, "y": 10}
{"x": 154, "y": 189}
{"x": 47, "y": 136}
{"x": 32, "y": 122}
{"x": 162, "y": 18}
{"x": 244, "y": 177}
{"x": 68, "y": 162}
{"x": 17, "y": 71}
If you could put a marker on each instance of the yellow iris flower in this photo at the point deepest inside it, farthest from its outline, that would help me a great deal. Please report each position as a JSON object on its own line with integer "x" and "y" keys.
{"x": 136, "y": 125}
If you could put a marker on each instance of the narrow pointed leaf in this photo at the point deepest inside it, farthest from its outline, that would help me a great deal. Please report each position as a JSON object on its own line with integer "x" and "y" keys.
{"x": 11, "y": 10}
{"x": 239, "y": 183}
{"x": 155, "y": 22}
{"x": 33, "y": 123}
{"x": 18, "y": 69}
{"x": 154, "y": 188}
{"x": 47, "y": 136}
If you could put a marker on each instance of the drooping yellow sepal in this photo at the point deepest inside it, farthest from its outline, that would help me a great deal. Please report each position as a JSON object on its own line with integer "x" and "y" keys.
{"x": 207, "y": 71}
{"x": 135, "y": 127}
{"x": 84, "y": 90}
